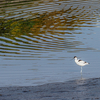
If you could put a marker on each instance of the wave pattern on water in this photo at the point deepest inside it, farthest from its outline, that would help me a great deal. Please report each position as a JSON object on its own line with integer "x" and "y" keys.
{"x": 63, "y": 28}
{"x": 59, "y": 26}
{"x": 28, "y": 10}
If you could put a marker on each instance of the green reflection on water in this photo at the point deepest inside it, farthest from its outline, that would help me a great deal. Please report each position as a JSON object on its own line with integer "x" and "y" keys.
{"x": 15, "y": 27}
{"x": 49, "y": 31}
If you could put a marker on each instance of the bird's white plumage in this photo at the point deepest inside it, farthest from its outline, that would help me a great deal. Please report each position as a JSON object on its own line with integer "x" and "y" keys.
{"x": 80, "y": 62}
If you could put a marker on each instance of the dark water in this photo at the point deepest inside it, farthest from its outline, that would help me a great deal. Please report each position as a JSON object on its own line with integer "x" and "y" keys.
{"x": 41, "y": 51}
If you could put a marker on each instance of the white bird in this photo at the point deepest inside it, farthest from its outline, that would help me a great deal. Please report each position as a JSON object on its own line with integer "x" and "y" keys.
{"x": 80, "y": 62}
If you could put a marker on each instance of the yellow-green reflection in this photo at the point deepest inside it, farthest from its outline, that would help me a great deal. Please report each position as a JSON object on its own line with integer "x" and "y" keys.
{"x": 48, "y": 30}
{"x": 16, "y": 27}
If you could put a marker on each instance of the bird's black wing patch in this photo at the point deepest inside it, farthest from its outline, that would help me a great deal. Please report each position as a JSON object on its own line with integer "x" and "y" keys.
{"x": 79, "y": 60}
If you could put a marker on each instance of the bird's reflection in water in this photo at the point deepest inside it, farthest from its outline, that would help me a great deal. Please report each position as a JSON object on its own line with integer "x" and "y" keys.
{"x": 81, "y": 76}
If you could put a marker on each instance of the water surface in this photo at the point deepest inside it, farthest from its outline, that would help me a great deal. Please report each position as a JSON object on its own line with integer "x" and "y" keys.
{"x": 37, "y": 47}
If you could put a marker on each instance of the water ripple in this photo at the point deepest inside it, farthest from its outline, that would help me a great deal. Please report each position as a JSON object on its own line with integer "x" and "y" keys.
{"x": 47, "y": 35}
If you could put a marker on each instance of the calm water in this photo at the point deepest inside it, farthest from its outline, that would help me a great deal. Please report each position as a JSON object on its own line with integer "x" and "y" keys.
{"x": 67, "y": 29}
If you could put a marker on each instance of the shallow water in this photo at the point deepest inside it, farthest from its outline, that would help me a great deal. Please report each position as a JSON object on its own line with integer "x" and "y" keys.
{"x": 70, "y": 28}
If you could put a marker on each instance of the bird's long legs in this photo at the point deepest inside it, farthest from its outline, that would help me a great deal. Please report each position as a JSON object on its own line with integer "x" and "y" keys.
{"x": 81, "y": 69}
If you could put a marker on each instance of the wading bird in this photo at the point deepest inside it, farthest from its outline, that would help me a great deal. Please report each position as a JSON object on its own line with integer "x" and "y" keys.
{"x": 80, "y": 62}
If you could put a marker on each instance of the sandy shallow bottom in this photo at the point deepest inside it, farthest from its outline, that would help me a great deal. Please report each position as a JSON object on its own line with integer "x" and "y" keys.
{"x": 83, "y": 89}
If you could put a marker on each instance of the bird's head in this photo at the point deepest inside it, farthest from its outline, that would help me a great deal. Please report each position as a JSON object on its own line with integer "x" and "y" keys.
{"x": 75, "y": 57}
